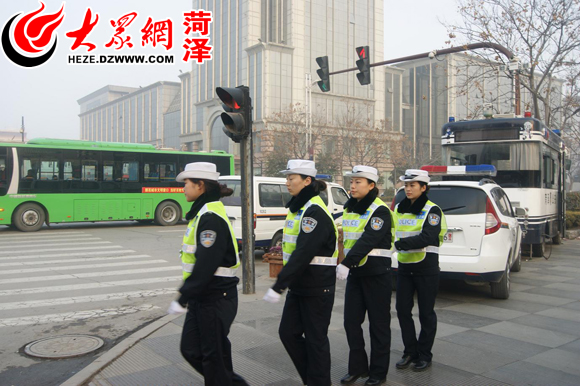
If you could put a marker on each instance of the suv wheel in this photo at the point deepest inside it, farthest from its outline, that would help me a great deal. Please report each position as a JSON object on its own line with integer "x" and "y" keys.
{"x": 501, "y": 289}
{"x": 517, "y": 267}
{"x": 276, "y": 240}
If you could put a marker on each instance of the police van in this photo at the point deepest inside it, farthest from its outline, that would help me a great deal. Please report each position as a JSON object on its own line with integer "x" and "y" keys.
{"x": 270, "y": 198}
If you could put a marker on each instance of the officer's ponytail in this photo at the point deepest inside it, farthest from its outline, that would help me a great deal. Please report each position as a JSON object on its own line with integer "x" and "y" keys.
{"x": 317, "y": 185}
{"x": 424, "y": 184}
{"x": 213, "y": 188}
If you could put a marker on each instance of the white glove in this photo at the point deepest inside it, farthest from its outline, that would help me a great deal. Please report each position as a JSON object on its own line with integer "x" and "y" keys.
{"x": 342, "y": 272}
{"x": 176, "y": 309}
{"x": 272, "y": 296}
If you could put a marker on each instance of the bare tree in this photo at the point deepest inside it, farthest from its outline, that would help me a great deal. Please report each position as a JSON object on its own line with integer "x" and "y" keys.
{"x": 543, "y": 34}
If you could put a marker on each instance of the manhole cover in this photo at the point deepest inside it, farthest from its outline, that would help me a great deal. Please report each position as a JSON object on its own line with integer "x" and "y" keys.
{"x": 64, "y": 346}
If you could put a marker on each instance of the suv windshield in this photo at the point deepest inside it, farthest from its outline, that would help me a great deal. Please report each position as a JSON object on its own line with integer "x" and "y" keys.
{"x": 236, "y": 198}
{"x": 454, "y": 199}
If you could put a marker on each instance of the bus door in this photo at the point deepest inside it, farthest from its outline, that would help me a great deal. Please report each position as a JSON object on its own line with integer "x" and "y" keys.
{"x": 5, "y": 169}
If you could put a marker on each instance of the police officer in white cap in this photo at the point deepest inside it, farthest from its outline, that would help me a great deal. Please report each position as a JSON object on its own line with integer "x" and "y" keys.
{"x": 209, "y": 256}
{"x": 309, "y": 257}
{"x": 419, "y": 233}
{"x": 368, "y": 235}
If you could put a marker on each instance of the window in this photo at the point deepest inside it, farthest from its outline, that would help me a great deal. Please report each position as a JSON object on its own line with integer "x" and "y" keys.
{"x": 454, "y": 200}
{"x": 236, "y": 198}
{"x": 271, "y": 195}
{"x": 339, "y": 196}
{"x": 502, "y": 202}
{"x": 5, "y": 169}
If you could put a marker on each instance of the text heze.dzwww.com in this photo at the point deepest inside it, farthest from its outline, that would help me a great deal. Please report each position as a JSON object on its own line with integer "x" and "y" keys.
{"x": 120, "y": 59}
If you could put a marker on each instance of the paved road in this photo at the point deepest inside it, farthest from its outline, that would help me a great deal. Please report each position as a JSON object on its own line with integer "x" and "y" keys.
{"x": 98, "y": 279}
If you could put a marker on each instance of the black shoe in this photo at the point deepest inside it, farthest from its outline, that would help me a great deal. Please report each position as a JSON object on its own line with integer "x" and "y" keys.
{"x": 404, "y": 362}
{"x": 374, "y": 381}
{"x": 348, "y": 379}
{"x": 421, "y": 365}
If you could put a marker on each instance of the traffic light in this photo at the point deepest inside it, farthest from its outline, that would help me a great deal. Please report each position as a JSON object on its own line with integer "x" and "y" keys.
{"x": 237, "y": 117}
{"x": 323, "y": 73}
{"x": 364, "y": 65}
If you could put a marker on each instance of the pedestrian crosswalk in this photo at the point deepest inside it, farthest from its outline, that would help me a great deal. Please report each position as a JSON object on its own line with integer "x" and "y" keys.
{"x": 66, "y": 275}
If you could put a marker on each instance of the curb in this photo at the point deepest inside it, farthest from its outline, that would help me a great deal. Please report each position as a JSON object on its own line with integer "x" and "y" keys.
{"x": 116, "y": 351}
{"x": 572, "y": 234}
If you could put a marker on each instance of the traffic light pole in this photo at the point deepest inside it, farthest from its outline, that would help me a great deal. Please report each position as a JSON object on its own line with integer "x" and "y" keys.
{"x": 247, "y": 177}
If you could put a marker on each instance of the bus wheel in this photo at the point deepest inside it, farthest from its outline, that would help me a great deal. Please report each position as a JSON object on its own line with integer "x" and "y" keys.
{"x": 557, "y": 240}
{"x": 167, "y": 213}
{"x": 539, "y": 250}
{"x": 29, "y": 217}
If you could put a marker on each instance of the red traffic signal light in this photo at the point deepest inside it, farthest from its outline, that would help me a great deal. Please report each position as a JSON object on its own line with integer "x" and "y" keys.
{"x": 364, "y": 65}
{"x": 237, "y": 117}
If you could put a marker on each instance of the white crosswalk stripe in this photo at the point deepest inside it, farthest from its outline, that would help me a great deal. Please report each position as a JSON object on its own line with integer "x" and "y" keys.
{"x": 59, "y": 277}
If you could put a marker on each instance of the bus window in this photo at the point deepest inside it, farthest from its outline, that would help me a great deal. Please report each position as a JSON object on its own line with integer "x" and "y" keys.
{"x": 167, "y": 171}
{"x": 151, "y": 171}
{"x": 131, "y": 171}
{"x": 49, "y": 170}
{"x": 89, "y": 170}
{"x": 108, "y": 167}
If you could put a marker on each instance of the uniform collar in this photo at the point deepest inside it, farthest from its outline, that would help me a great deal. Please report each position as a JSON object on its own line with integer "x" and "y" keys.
{"x": 199, "y": 203}
{"x": 301, "y": 199}
{"x": 360, "y": 207}
{"x": 406, "y": 207}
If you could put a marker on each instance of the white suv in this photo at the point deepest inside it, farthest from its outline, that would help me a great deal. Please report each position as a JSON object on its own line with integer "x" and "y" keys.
{"x": 483, "y": 239}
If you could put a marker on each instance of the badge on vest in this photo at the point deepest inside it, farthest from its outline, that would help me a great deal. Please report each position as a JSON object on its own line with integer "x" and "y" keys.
{"x": 434, "y": 219}
{"x": 308, "y": 224}
{"x": 207, "y": 238}
{"x": 187, "y": 232}
{"x": 377, "y": 223}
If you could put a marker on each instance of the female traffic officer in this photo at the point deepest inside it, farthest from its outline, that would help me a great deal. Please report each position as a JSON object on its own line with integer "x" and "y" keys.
{"x": 368, "y": 234}
{"x": 309, "y": 257}
{"x": 209, "y": 256}
{"x": 419, "y": 233}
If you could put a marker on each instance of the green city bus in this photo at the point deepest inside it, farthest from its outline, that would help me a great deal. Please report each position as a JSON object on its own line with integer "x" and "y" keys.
{"x": 60, "y": 181}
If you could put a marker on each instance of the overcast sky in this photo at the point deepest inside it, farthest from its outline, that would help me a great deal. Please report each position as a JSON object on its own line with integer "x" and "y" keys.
{"x": 47, "y": 95}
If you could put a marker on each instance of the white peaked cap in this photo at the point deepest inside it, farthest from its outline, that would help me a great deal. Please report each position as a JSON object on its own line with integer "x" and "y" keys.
{"x": 415, "y": 175}
{"x": 300, "y": 166}
{"x": 364, "y": 172}
{"x": 200, "y": 170}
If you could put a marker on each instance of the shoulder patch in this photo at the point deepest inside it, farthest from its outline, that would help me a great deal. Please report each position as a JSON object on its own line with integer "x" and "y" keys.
{"x": 434, "y": 219}
{"x": 308, "y": 224}
{"x": 377, "y": 223}
{"x": 207, "y": 238}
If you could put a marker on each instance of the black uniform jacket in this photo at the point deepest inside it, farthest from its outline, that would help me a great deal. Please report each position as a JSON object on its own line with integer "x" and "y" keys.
{"x": 428, "y": 236}
{"x": 202, "y": 285}
{"x": 298, "y": 275}
{"x": 369, "y": 240}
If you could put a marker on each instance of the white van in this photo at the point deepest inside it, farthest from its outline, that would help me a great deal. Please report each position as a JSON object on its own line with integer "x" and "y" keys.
{"x": 270, "y": 198}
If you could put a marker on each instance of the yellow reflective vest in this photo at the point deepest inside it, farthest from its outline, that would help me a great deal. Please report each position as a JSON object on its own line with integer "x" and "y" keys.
{"x": 410, "y": 224}
{"x": 189, "y": 245}
{"x": 353, "y": 226}
{"x": 292, "y": 229}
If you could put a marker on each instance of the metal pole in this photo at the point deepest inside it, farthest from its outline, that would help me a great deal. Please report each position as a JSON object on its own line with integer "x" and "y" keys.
{"x": 248, "y": 271}
{"x": 22, "y": 129}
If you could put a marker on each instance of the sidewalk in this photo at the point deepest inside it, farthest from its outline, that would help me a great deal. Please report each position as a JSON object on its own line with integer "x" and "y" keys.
{"x": 531, "y": 338}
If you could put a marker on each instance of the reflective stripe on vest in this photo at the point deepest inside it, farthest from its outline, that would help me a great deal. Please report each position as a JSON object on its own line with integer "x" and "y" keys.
{"x": 292, "y": 226}
{"x": 189, "y": 246}
{"x": 353, "y": 226}
{"x": 409, "y": 225}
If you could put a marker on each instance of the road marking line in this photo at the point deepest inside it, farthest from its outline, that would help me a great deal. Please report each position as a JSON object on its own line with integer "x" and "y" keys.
{"x": 38, "y": 235}
{"x": 28, "y": 242}
{"x": 73, "y": 254}
{"x": 64, "y": 249}
{"x": 81, "y": 260}
{"x": 56, "y": 245}
{"x": 72, "y": 316}
{"x": 88, "y": 274}
{"x": 73, "y": 267}
{"x": 86, "y": 299}
{"x": 76, "y": 287}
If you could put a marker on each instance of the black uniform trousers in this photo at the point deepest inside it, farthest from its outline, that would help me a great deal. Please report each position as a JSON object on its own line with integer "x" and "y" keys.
{"x": 370, "y": 294}
{"x": 426, "y": 287}
{"x": 304, "y": 333}
{"x": 204, "y": 341}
